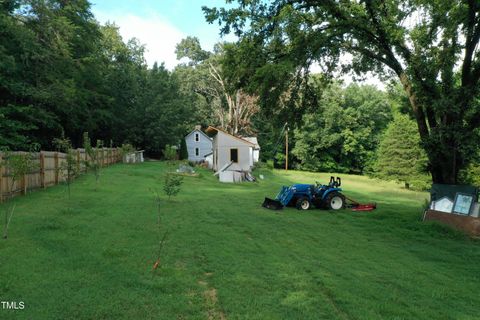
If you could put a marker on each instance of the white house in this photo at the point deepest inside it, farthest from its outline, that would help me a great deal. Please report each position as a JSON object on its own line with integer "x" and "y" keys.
{"x": 199, "y": 145}
{"x": 256, "y": 150}
{"x": 232, "y": 156}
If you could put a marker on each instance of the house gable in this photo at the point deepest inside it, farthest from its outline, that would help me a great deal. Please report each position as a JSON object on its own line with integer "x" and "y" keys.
{"x": 197, "y": 150}
{"x": 197, "y": 131}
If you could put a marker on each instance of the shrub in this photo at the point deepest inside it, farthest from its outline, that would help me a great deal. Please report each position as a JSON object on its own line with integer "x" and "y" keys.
{"x": 173, "y": 183}
{"x": 280, "y": 160}
{"x": 126, "y": 148}
{"x": 270, "y": 164}
{"x": 18, "y": 166}
{"x": 94, "y": 161}
{"x": 471, "y": 175}
{"x": 170, "y": 152}
{"x": 183, "y": 150}
{"x": 69, "y": 168}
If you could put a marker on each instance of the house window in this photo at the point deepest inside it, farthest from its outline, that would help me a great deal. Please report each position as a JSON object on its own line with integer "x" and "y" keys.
{"x": 234, "y": 155}
{"x": 197, "y": 137}
{"x": 197, "y": 152}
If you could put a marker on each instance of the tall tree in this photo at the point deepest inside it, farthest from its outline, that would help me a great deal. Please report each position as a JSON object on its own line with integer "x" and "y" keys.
{"x": 23, "y": 119}
{"x": 344, "y": 130}
{"x": 399, "y": 155}
{"x": 232, "y": 107}
{"x": 124, "y": 70}
{"x": 431, "y": 46}
{"x": 62, "y": 72}
{"x": 166, "y": 116}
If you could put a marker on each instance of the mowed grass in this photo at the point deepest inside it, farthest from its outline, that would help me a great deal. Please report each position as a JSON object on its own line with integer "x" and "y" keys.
{"x": 228, "y": 258}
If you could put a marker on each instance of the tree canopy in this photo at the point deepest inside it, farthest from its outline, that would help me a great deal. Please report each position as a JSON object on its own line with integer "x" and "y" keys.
{"x": 342, "y": 133}
{"x": 399, "y": 155}
{"x": 61, "y": 72}
{"x": 431, "y": 46}
{"x": 230, "y": 107}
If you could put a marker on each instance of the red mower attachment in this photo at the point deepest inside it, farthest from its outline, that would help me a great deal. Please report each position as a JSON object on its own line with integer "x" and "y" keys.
{"x": 364, "y": 207}
{"x": 357, "y": 206}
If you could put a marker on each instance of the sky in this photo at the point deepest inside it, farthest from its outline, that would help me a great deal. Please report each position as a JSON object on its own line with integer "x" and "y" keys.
{"x": 161, "y": 24}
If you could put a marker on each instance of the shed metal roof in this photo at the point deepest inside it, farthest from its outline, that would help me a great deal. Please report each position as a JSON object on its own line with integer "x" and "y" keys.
{"x": 252, "y": 140}
{"x": 211, "y": 129}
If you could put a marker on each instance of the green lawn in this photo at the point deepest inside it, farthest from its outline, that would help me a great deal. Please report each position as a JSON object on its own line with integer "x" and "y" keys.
{"x": 226, "y": 257}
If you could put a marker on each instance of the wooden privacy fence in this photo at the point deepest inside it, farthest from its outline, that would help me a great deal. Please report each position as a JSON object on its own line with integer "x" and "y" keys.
{"x": 48, "y": 169}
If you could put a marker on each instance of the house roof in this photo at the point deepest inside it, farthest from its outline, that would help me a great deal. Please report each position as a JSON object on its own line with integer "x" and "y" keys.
{"x": 196, "y": 130}
{"x": 211, "y": 129}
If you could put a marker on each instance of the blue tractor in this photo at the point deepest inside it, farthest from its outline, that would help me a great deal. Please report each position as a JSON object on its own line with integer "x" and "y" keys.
{"x": 304, "y": 196}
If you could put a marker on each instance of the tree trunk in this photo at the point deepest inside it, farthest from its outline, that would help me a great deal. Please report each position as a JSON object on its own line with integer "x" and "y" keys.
{"x": 444, "y": 169}
{"x": 444, "y": 162}
{"x": 416, "y": 107}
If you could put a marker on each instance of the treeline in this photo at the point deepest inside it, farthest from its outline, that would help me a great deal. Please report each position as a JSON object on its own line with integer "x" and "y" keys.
{"x": 62, "y": 73}
{"x": 359, "y": 129}
{"x": 355, "y": 129}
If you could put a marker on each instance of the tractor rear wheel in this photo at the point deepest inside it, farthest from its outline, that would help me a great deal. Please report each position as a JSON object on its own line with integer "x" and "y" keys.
{"x": 303, "y": 203}
{"x": 335, "y": 201}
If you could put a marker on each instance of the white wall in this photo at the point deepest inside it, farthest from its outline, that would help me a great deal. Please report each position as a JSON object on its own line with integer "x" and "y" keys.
{"x": 256, "y": 155}
{"x": 204, "y": 146}
{"x": 222, "y": 145}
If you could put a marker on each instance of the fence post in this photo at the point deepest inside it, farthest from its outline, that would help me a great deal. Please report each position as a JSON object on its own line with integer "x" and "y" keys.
{"x": 1, "y": 179}
{"x": 55, "y": 157}
{"x": 24, "y": 184}
{"x": 78, "y": 161}
{"x": 42, "y": 169}
{"x": 97, "y": 160}
{"x": 85, "y": 168}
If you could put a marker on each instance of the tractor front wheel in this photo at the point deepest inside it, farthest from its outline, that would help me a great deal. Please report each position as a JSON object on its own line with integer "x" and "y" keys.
{"x": 335, "y": 201}
{"x": 303, "y": 204}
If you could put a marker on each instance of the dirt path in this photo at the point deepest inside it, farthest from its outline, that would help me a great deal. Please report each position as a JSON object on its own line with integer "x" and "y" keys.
{"x": 211, "y": 300}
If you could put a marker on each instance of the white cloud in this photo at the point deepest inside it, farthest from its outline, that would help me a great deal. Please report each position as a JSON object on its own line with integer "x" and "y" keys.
{"x": 158, "y": 35}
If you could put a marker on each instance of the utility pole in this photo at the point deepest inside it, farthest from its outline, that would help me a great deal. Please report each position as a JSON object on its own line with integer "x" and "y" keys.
{"x": 286, "y": 149}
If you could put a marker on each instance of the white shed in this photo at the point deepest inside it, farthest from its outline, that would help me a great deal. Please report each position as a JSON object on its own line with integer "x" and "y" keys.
{"x": 134, "y": 157}
{"x": 209, "y": 160}
{"x": 199, "y": 145}
{"x": 232, "y": 155}
{"x": 256, "y": 149}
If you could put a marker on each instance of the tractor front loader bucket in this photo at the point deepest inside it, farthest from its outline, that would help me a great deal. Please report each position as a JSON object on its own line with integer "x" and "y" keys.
{"x": 272, "y": 204}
